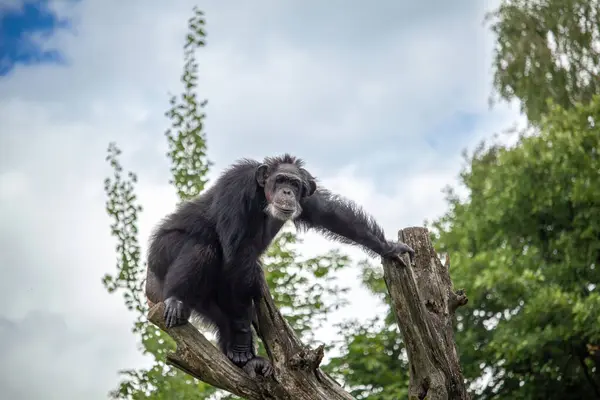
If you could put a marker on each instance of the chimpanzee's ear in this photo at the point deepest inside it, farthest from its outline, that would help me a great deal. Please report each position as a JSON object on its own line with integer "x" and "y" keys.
{"x": 262, "y": 173}
{"x": 310, "y": 185}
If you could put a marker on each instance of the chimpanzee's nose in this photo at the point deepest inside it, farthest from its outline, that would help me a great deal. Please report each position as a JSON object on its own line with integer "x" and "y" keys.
{"x": 287, "y": 192}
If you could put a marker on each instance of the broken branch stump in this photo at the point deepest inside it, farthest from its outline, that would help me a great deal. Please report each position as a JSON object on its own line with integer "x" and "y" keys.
{"x": 424, "y": 303}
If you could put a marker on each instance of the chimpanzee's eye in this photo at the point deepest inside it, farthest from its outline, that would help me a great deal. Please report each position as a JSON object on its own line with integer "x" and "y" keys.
{"x": 280, "y": 179}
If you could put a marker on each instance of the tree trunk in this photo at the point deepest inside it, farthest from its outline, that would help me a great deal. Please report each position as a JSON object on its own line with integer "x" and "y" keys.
{"x": 424, "y": 304}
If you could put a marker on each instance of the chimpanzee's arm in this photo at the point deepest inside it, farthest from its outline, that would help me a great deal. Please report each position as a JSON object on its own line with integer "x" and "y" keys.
{"x": 345, "y": 221}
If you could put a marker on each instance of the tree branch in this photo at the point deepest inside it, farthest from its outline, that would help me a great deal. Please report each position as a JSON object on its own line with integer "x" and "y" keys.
{"x": 296, "y": 376}
{"x": 198, "y": 357}
{"x": 424, "y": 303}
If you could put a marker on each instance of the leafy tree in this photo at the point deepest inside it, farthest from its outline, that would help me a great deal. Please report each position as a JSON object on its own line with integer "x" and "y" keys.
{"x": 525, "y": 245}
{"x": 547, "y": 49}
{"x": 305, "y": 290}
{"x": 189, "y": 167}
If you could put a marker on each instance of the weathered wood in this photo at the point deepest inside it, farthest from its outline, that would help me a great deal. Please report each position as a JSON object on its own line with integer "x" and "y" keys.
{"x": 424, "y": 303}
{"x": 296, "y": 376}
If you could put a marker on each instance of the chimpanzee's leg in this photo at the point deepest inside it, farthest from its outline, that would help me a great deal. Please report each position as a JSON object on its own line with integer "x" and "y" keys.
{"x": 213, "y": 315}
{"x": 239, "y": 344}
{"x": 189, "y": 281}
{"x": 235, "y": 298}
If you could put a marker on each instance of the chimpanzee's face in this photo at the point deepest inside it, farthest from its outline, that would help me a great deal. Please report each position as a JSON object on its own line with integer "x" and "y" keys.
{"x": 284, "y": 187}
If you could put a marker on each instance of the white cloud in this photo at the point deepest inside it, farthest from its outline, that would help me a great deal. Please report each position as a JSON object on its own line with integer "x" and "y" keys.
{"x": 278, "y": 78}
{"x": 44, "y": 358}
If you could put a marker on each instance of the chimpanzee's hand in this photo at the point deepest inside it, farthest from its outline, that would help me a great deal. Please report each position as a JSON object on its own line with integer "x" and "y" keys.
{"x": 396, "y": 249}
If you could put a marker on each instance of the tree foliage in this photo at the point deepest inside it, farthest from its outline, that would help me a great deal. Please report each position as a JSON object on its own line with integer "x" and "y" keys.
{"x": 189, "y": 165}
{"x": 306, "y": 290}
{"x": 527, "y": 249}
{"x": 525, "y": 245}
{"x": 547, "y": 49}
{"x": 525, "y": 242}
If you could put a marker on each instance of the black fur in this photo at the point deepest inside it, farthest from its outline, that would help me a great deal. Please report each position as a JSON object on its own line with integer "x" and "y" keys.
{"x": 204, "y": 257}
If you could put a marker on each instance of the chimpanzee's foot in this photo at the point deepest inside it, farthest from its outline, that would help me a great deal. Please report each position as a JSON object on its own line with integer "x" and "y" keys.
{"x": 240, "y": 354}
{"x": 176, "y": 312}
{"x": 259, "y": 365}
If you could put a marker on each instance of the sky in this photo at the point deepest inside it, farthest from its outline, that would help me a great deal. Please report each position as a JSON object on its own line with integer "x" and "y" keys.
{"x": 379, "y": 101}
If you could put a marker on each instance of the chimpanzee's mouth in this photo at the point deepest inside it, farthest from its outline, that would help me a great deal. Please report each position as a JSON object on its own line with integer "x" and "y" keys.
{"x": 283, "y": 212}
{"x": 286, "y": 211}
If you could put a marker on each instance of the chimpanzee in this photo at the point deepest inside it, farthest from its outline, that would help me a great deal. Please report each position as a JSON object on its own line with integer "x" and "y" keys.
{"x": 204, "y": 257}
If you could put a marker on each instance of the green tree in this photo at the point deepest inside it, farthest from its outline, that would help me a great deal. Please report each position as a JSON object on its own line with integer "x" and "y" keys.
{"x": 547, "y": 49}
{"x": 525, "y": 244}
{"x": 306, "y": 290}
{"x": 189, "y": 167}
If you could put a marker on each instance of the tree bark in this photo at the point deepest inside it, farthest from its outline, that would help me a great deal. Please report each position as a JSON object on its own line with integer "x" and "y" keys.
{"x": 424, "y": 304}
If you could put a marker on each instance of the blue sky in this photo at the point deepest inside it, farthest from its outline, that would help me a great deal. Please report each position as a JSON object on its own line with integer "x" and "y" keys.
{"x": 380, "y": 101}
{"x": 17, "y": 26}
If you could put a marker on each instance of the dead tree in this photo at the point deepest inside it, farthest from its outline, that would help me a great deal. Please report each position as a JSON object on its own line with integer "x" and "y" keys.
{"x": 424, "y": 304}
